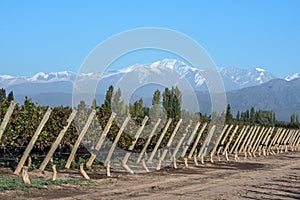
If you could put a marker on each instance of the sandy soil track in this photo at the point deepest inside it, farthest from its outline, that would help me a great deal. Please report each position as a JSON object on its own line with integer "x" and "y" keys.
{"x": 273, "y": 177}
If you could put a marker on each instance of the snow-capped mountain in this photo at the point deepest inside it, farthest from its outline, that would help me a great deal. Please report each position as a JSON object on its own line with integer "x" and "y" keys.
{"x": 233, "y": 78}
{"x": 292, "y": 77}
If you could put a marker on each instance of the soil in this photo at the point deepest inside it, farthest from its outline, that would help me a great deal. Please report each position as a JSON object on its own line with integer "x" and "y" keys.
{"x": 272, "y": 177}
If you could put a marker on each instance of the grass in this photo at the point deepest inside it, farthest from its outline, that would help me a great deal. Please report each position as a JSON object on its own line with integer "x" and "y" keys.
{"x": 17, "y": 183}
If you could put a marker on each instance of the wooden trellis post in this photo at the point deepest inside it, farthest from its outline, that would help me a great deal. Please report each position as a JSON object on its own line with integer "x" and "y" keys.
{"x": 204, "y": 148}
{"x": 188, "y": 143}
{"x": 258, "y": 138}
{"x": 246, "y": 139}
{"x": 148, "y": 141}
{"x": 79, "y": 139}
{"x": 114, "y": 144}
{"x": 57, "y": 141}
{"x": 212, "y": 153}
{"x": 197, "y": 140}
{"x": 237, "y": 139}
{"x": 7, "y": 116}
{"x": 136, "y": 137}
{"x": 181, "y": 140}
{"x": 168, "y": 144}
{"x": 230, "y": 140}
{"x": 32, "y": 142}
{"x": 101, "y": 140}
{"x": 251, "y": 138}
{"x": 159, "y": 141}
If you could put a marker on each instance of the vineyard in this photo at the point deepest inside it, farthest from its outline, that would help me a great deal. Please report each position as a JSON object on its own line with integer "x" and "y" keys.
{"x": 37, "y": 137}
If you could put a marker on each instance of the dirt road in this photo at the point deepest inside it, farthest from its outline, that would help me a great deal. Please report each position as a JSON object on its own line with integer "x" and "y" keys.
{"x": 273, "y": 177}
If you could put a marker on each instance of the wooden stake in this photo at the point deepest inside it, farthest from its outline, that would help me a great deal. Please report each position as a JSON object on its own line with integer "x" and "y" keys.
{"x": 187, "y": 145}
{"x": 7, "y": 116}
{"x": 159, "y": 141}
{"x": 57, "y": 141}
{"x": 84, "y": 174}
{"x": 79, "y": 139}
{"x": 136, "y": 137}
{"x": 113, "y": 146}
{"x": 32, "y": 142}
{"x": 54, "y": 176}
{"x": 148, "y": 141}
{"x": 101, "y": 140}
{"x": 25, "y": 175}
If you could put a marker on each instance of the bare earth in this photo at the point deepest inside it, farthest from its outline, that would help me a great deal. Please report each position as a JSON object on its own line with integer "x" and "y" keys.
{"x": 272, "y": 177}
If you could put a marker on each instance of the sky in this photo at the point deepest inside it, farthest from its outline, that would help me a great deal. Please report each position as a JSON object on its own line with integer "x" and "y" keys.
{"x": 56, "y": 35}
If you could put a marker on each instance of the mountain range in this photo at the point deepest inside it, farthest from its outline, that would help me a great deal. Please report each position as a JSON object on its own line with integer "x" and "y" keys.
{"x": 244, "y": 87}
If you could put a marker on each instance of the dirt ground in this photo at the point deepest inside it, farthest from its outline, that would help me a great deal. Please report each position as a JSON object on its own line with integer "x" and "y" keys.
{"x": 272, "y": 177}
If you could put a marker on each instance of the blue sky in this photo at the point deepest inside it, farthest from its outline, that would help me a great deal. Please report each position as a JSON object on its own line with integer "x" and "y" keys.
{"x": 57, "y": 35}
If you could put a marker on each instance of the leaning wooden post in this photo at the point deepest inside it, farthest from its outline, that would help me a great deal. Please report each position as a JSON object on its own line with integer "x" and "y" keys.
{"x": 272, "y": 143}
{"x": 57, "y": 141}
{"x": 168, "y": 144}
{"x": 136, "y": 137}
{"x": 237, "y": 139}
{"x": 292, "y": 139}
{"x": 212, "y": 153}
{"x": 190, "y": 140}
{"x": 252, "y": 135}
{"x": 222, "y": 144}
{"x": 204, "y": 147}
{"x": 7, "y": 116}
{"x": 180, "y": 142}
{"x": 197, "y": 140}
{"x": 230, "y": 140}
{"x": 32, "y": 142}
{"x": 159, "y": 141}
{"x": 287, "y": 140}
{"x": 148, "y": 142}
{"x": 79, "y": 139}
{"x": 114, "y": 144}
{"x": 258, "y": 138}
{"x": 263, "y": 141}
{"x": 239, "y": 142}
{"x": 294, "y": 143}
{"x": 101, "y": 140}
{"x": 246, "y": 139}
{"x": 267, "y": 140}
{"x": 254, "y": 139}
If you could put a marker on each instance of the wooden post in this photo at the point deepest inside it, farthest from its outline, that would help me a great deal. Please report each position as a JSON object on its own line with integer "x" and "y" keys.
{"x": 260, "y": 134}
{"x": 169, "y": 144}
{"x": 180, "y": 142}
{"x": 101, "y": 140}
{"x": 7, "y": 116}
{"x": 83, "y": 173}
{"x": 159, "y": 141}
{"x": 254, "y": 138}
{"x": 79, "y": 139}
{"x": 246, "y": 139}
{"x": 136, "y": 137}
{"x": 230, "y": 140}
{"x": 190, "y": 140}
{"x": 57, "y": 141}
{"x": 226, "y": 135}
{"x": 296, "y": 139}
{"x": 148, "y": 141}
{"x": 252, "y": 134}
{"x": 32, "y": 142}
{"x": 204, "y": 148}
{"x": 197, "y": 140}
{"x": 113, "y": 146}
{"x": 217, "y": 143}
{"x": 238, "y": 139}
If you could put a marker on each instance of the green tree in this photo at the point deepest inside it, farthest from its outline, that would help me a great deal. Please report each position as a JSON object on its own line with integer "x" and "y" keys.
{"x": 108, "y": 99}
{"x": 238, "y": 116}
{"x": 252, "y": 115}
{"x": 2, "y": 94}
{"x": 228, "y": 116}
{"x": 156, "y": 104}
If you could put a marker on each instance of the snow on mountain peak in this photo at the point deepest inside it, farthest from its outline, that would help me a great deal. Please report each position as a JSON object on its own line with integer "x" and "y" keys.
{"x": 259, "y": 69}
{"x": 292, "y": 77}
